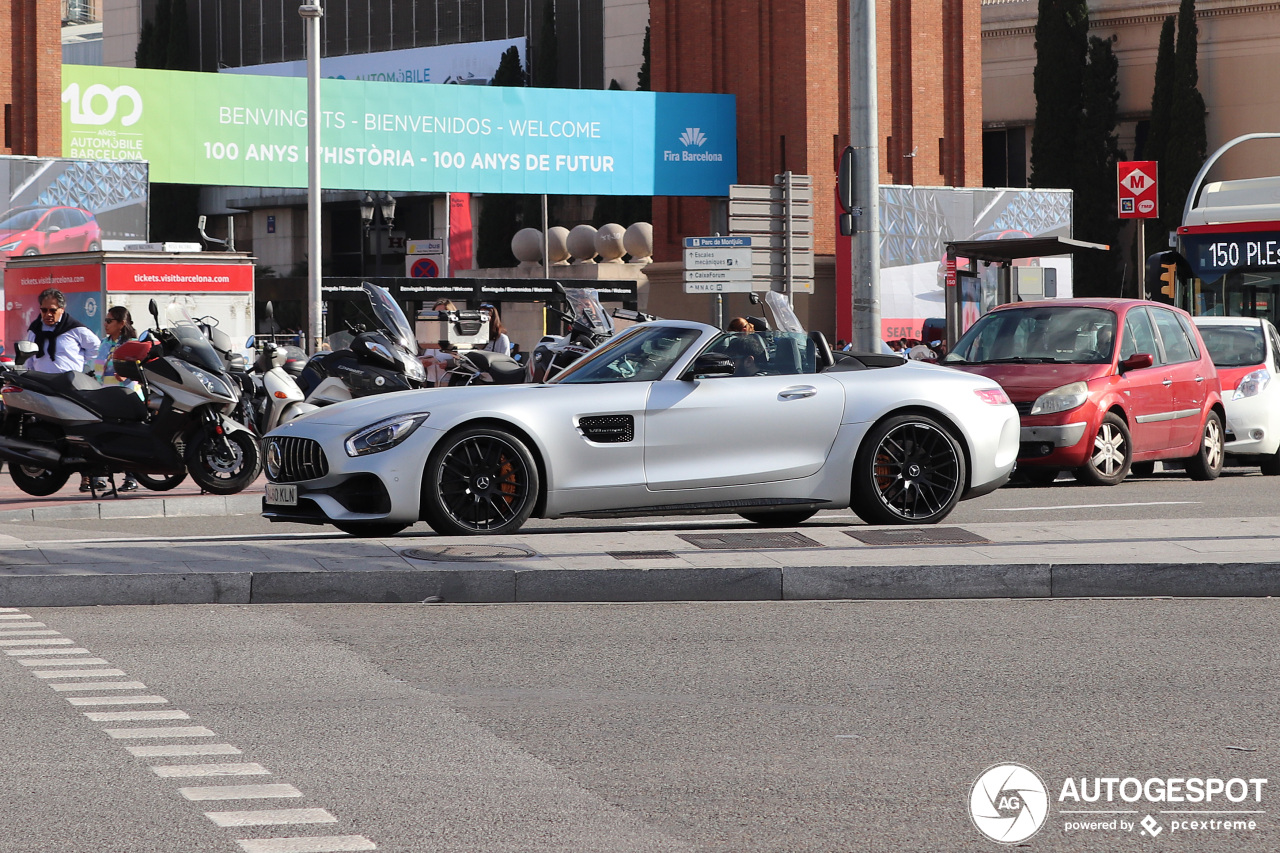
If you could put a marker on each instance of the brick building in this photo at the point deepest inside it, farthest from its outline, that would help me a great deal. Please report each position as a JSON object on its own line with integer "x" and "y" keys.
{"x": 30, "y": 77}
{"x": 787, "y": 61}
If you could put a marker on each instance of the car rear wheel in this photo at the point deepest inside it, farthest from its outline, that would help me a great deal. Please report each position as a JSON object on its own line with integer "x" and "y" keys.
{"x": 910, "y": 470}
{"x": 1207, "y": 463}
{"x": 479, "y": 480}
{"x": 782, "y": 518}
{"x": 1112, "y": 454}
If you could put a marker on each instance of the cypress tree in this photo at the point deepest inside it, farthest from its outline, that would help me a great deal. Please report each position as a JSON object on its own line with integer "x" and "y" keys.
{"x": 1097, "y": 151}
{"x": 1061, "y": 51}
{"x": 178, "y": 50}
{"x": 1159, "y": 130}
{"x": 546, "y": 59}
{"x": 160, "y": 44}
{"x": 146, "y": 38}
{"x": 642, "y": 77}
{"x": 1188, "y": 141}
{"x": 501, "y": 213}
{"x": 509, "y": 72}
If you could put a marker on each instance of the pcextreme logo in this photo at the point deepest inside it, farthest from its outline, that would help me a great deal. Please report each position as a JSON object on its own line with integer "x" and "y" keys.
{"x": 1009, "y": 803}
{"x": 84, "y": 108}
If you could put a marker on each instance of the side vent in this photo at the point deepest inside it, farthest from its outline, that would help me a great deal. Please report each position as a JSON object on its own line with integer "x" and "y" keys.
{"x": 608, "y": 429}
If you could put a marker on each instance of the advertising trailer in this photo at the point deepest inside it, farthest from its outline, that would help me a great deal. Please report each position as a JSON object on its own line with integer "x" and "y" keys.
{"x": 208, "y": 284}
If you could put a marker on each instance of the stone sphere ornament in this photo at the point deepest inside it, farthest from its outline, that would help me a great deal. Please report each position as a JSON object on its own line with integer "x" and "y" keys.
{"x": 582, "y": 244}
{"x": 639, "y": 242}
{"x": 609, "y": 243}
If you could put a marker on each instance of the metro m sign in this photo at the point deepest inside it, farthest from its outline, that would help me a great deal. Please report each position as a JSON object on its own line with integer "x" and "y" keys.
{"x": 1137, "y": 189}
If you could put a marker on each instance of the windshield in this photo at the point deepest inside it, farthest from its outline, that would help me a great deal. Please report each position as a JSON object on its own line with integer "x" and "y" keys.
{"x": 1234, "y": 346}
{"x": 640, "y": 354}
{"x": 584, "y": 305}
{"x": 390, "y": 317}
{"x": 194, "y": 348}
{"x": 21, "y": 220}
{"x": 768, "y": 353}
{"x": 1043, "y": 334}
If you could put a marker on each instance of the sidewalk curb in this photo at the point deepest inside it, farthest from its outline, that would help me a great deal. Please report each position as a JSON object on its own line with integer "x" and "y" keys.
{"x": 503, "y": 584}
{"x": 177, "y": 507}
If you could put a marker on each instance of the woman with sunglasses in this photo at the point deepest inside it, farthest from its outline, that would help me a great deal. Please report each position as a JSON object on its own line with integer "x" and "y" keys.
{"x": 118, "y": 325}
{"x": 498, "y": 340}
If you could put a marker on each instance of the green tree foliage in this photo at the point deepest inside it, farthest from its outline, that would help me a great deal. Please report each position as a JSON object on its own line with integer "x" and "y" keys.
{"x": 146, "y": 38}
{"x": 1061, "y": 50}
{"x": 1159, "y": 129}
{"x": 642, "y": 78}
{"x": 1188, "y": 140}
{"x": 1097, "y": 151}
{"x": 509, "y": 72}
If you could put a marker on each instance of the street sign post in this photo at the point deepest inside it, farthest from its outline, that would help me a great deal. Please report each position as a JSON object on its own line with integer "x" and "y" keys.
{"x": 715, "y": 259}
{"x": 1137, "y": 195}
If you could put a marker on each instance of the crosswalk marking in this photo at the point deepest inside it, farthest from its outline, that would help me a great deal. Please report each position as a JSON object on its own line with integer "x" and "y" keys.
{"x": 6, "y": 626}
{"x": 76, "y": 662}
{"x": 31, "y": 633}
{"x": 318, "y": 844}
{"x": 167, "y": 731}
{"x": 100, "y": 685}
{"x": 128, "y": 716}
{"x": 239, "y": 792}
{"x": 117, "y": 700}
{"x": 181, "y": 770}
{"x": 15, "y": 615}
{"x": 77, "y": 673}
{"x": 169, "y": 750}
{"x": 49, "y": 642}
{"x": 271, "y": 817}
{"x": 13, "y": 653}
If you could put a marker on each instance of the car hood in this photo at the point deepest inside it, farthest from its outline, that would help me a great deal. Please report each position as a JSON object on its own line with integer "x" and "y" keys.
{"x": 6, "y": 234}
{"x": 1028, "y": 381}
{"x": 369, "y": 410}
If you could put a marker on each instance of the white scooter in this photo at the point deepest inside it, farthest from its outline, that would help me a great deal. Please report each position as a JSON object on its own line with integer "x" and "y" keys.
{"x": 278, "y": 399}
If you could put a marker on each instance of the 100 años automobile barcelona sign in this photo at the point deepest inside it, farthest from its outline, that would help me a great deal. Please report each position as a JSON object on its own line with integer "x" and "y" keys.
{"x": 233, "y": 130}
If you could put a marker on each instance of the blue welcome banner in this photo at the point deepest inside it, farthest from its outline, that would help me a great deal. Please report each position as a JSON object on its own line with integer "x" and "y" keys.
{"x": 234, "y": 130}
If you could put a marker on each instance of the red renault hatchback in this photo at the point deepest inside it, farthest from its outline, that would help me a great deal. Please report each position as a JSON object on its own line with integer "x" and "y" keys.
{"x": 1101, "y": 385}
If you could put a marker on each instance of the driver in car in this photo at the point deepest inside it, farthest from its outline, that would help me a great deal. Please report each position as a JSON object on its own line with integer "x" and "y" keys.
{"x": 748, "y": 355}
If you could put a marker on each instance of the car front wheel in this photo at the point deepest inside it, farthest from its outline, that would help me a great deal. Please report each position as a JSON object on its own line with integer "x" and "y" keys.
{"x": 909, "y": 471}
{"x": 479, "y": 480}
{"x": 1112, "y": 454}
{"x": 1207, "y": 463}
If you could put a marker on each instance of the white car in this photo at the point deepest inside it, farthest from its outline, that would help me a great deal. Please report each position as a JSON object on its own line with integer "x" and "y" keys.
{"x": 666, "y": 417}
{"x": 1245, "y": 351}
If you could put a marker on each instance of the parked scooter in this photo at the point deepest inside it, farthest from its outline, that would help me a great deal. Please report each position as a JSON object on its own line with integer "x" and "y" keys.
{"x": 370, "y": 361}
{"x": 589, "y": 326}
{"x": 276, "y": 395}
{"x": 57, "y": 424}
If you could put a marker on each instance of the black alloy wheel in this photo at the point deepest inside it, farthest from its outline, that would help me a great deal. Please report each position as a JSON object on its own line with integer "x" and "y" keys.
{"x": 910, "y": 470}
{"x": 479, "y": 480}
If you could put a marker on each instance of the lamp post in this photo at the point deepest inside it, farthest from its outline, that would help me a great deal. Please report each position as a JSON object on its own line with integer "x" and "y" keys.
{"x": 382, "y": 208}
{"x": 311, "y": 14}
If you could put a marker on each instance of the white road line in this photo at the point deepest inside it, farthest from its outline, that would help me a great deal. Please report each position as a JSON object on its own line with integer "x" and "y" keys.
{"x": 14, "y": 614}
{"x": 246, "y": 769}
{"x": 117, "y": 700}
{"x": 76, "y": 662}
{"x": 239, "y": 792}
{"x": 49, "y": 642}
{"x": 317, "y": 844}
{"x": 175, "y": 749}
{"x": 8, "y": 629}
{"x": 76, "y": 673}
{"x": 8, "y": 610}
{"x": 101, "y": 685}
{"x": 135, "y": 716}
{"x": 271, "y": 817}
{"x": 33, "y": 633}
{"x": 1085, "y": 506}
{"x": 168, "y": 731}
{"x": 13, "y": 653}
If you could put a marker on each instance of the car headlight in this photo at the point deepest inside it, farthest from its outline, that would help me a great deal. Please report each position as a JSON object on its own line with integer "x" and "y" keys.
{"x": 9, "y": 247}
{"x": 1252, "y": 384}
{"x": 384, "y": 435}
{"x": 1064, "y": 398}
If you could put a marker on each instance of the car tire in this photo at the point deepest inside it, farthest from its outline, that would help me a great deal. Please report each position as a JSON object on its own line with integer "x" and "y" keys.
{"x": 909, "y": 470}
{"x": 780, "y": 518}
{"x": 1207, "y": 463}
{"x": 1112, "y": 455}
{"x": 1142, "y": 469}
{"x": 39, "y": 482}
{"x": 370, "y": 529}
{"x": 1270, "y": 465}
{"x": 95, "y": 246}
{"x": 479, "y": 480}
{"x": 1039, "y": 476}
{"x": 31, "y": 251}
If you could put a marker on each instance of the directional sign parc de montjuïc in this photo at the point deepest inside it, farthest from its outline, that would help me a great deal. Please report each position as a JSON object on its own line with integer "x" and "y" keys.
{"x": 717, "y": 265}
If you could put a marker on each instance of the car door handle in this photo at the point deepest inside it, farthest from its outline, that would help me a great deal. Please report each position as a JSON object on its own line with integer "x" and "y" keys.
{"x": 1166, "y": 383}
{"x": 1199, "y": 378}
{"x": 796, "y": 393}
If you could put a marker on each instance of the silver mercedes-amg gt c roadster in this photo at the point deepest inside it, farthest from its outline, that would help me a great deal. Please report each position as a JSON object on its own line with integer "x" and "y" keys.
{"x": 666, "y": 417}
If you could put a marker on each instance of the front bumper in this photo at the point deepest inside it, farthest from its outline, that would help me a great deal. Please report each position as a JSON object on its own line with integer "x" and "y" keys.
{"x": 1253, "y": 425}
{"x": 1051, "y": 445}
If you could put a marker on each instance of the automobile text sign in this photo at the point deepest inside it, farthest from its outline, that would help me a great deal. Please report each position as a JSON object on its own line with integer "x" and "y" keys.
{"x": 238, "y": 130}
{"x": 1137, "y": 197}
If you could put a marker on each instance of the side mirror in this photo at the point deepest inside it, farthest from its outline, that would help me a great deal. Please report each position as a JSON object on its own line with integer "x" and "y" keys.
{"x": 711, "y": 364}
{"x": 251, "y": 343}
{"x": 268, "y": 311}
{"x": 26, "y": 349}
{"x": 1137, "y": 361}
{"x": 155, "y": 312}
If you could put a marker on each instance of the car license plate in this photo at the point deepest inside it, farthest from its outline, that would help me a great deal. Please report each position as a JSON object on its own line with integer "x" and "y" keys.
{"x": 282, "y": 494}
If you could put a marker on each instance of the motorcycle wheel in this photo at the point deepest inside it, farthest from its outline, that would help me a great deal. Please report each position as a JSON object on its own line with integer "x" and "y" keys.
{"x": 160, "y": 483}
{"x": 38, "y": 481}
{"x": 220, "y": 472}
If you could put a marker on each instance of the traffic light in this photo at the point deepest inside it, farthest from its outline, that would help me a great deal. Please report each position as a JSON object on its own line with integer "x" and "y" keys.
{"x": 1170, "y": 279}
{"x": 1163, "y": 272}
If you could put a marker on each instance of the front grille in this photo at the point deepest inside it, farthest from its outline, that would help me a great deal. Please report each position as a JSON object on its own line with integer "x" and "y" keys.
{"x": 1024, "y": 408}
{"x": 296, "y": 459}
{"x": 608, "y": 429}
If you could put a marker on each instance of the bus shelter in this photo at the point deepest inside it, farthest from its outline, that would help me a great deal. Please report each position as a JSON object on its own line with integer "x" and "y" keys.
{"x": 963, "y": 295}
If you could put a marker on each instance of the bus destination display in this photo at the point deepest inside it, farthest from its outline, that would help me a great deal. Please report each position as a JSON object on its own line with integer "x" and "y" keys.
{"x": 1219, "y": 253}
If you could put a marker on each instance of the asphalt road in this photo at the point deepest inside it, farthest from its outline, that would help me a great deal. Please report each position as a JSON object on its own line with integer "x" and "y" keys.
{"x": 797, "y": 726}
{"x": 1238, "y": 493}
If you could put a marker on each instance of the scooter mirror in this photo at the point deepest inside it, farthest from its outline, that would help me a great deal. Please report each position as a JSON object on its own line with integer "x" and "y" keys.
{"x": 26, "y": 349}
{"x": 155, "y": 312}
{"x": 269, "y": 311}
{"x": 251, "y": 342}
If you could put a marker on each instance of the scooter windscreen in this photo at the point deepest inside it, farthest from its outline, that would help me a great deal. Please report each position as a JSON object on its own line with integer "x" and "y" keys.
{"x": 193, "y": 344}
{"x": 584, "y": 305}
{"x": 390, "y": 317}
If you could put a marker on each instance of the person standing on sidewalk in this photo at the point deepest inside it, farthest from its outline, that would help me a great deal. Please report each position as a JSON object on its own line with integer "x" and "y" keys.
{"x": 62, "y": 343}
{"x": 118, "y": 324}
